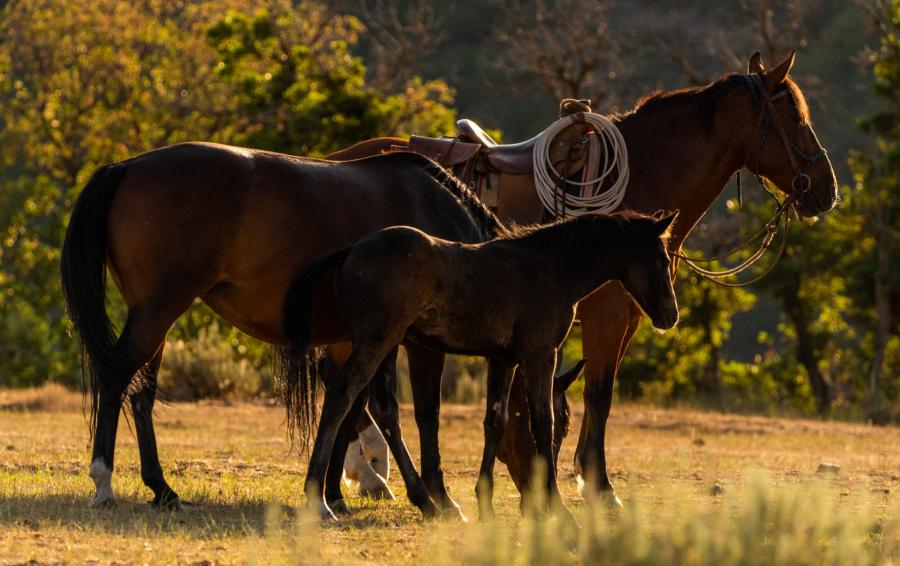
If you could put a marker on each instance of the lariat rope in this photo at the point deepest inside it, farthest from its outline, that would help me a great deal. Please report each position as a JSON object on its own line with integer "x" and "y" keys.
{"x": 594, "y": 199}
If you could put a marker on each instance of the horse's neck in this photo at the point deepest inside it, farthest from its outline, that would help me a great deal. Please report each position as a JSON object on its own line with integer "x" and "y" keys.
{"x": 580, "y": 266}
{"x": 682, "y": 167}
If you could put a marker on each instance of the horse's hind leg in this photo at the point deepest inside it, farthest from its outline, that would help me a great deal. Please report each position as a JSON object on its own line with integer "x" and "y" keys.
{"x": 425, "y": 370}
{"x": 386, "y": 411}
{"x": 142, "y": 402}
{"x": 500, "y": 377}
{"x": 144, "y": 332}
{"x": 340, "y": 395}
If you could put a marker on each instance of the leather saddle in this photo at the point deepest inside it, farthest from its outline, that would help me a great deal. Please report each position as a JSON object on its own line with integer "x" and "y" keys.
{"x": 472, "y": 142}
{"x": 474, "y": 156}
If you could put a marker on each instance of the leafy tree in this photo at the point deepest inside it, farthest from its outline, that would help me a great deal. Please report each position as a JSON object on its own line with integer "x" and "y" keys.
{"x": 301, "y": 90}
{"x": 686, "y": 363}
{"x": 87, "y": 83}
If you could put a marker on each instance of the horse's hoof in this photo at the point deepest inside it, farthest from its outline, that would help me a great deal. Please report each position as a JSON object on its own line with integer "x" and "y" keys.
{"x": 339, "y": 507}
{"x": 454, "y": 513}
{"x": 379, "y": 490}
{"x": 486, "y": 515}
{"x": 611, "y": 499}
{"x": 325, "y": 512}
{"x": 169, "y": 502}
{"x": 103, "y": 501}
{"x": 567, "y": 519}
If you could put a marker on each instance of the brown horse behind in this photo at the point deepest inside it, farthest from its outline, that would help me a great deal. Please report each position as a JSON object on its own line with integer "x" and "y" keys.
{"x": 683, "y": 147}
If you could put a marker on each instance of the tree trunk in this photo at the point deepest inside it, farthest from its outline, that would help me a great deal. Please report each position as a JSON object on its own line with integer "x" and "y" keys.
{"x": 806, "y": 353}
{"x": 882, "y": 308}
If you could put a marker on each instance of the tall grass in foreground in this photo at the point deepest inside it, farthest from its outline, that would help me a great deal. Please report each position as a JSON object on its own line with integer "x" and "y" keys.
{"x": 760, "y": 524}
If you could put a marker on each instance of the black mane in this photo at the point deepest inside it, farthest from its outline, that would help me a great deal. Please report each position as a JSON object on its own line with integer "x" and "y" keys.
{"x": 487, "y": 221}
{"x": 705, "y": 99}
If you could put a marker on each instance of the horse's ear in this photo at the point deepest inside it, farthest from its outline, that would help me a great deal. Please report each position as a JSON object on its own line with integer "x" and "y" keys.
{"x": 662, "y": 225}
{"x": 564, "y": 380}
{"x": 659, "y": 214}
{"x": 755, "y": 65}
{"x": 777, "y": 75}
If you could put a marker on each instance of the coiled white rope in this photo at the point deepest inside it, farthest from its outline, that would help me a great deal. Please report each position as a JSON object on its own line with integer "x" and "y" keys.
{"x": 593, "y": 199}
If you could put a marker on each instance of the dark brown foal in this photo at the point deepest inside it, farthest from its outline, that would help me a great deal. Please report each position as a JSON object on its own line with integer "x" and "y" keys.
{"x": 511, "y": 299}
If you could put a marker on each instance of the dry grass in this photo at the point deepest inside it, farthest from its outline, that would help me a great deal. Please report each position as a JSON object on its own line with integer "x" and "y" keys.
{"x": 50, "y": 397}
{"x": 233, "y": 464}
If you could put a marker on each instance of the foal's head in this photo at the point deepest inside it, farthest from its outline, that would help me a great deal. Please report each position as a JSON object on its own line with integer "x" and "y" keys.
{"x": 647, "y": 269}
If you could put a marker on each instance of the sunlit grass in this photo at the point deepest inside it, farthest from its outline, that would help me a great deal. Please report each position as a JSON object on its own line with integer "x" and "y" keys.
{"x": 699, "y": 488}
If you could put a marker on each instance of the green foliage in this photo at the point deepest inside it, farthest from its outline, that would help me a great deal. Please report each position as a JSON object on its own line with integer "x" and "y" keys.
{"x": 687, "y": 362}
{"x": 762, "y": 524}
{"x": 86, "y": 83}
{"x": 208, "y": 368}
{"x": 304, "y": 92}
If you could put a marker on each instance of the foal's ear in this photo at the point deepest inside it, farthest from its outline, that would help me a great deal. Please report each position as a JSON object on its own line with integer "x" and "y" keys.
{"x": 563, "y": 381}
{"x": 777, "y": 75}
{"x": 755, "y": 65}
{"x": 662, "y": 225}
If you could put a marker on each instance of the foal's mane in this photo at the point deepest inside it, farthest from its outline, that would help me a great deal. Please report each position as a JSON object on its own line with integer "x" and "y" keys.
{"x": 488, "y": 223}
{"x": 564, "y": 232}
{"x": 705, "y": 98}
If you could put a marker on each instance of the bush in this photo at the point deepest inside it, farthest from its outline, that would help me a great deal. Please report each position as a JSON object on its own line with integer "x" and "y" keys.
{"x": 207, "y": 368}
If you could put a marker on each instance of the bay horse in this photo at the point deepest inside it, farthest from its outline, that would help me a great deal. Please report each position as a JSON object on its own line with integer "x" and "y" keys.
{"x": 230, "y": 226}
{"x": 683, "y": 147}
{"x": 511, "y": 299}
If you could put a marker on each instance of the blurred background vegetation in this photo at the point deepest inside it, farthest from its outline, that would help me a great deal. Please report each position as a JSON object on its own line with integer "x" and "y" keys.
{"x": 85, "y": 83}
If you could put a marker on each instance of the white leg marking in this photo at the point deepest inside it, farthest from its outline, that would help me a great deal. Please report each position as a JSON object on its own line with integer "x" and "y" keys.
{"x": 102, "y": 476}
{"x": 354, "y": 461}
{"x": 375, "y": 448}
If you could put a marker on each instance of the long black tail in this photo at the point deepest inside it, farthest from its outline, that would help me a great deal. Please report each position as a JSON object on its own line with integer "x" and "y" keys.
{"x": 296, "y": 365}
{"x": 83, "y": 267}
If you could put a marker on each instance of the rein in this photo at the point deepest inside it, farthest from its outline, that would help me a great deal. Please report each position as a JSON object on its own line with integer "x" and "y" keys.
{"x": 801, "y": 184}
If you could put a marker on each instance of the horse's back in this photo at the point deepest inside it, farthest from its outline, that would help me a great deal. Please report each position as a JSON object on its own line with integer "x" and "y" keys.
{"x": 233, "y": 225}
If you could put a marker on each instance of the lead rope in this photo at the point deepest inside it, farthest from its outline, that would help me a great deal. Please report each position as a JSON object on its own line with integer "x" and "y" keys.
{"x": 781, "y": 218}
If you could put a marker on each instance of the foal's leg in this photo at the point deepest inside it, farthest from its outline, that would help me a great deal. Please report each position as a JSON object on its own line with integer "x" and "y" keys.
{"x": 333, "y": 477}
{"x": 386, "y": 411}
{"x": 142, "y": 411}
{"x": 538, "y": 373}
{"x": 340, "y": 395}
{"x": 425, "y": 370}
{"x": 144, "y": 332}
{"x": 500, "y": 376}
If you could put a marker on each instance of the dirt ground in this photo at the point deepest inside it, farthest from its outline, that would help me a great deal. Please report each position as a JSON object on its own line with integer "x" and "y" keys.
{"x": 234, "y": 465}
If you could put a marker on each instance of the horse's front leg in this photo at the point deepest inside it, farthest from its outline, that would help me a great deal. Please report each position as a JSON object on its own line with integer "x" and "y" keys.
{"x": 142, "y": 403}
{"x": 500, "y": 377}
{"x": 340, "y": 395}
{"x": 609, "y": 319}
{"x": 538, "y": 371}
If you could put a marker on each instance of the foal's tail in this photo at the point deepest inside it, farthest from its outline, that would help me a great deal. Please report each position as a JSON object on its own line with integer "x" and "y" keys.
{"x": 296, "y": 365}
{"x": 83, "y": 267}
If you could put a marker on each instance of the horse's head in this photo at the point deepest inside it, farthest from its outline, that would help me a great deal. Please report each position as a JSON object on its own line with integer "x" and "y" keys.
{"x": 648, "y": 270}
{"x": 516, "y": 448}
{"x": 784, "y": 147}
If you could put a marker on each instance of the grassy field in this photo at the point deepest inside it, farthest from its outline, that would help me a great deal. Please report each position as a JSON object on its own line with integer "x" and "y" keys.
{"x": 697, "y": 487}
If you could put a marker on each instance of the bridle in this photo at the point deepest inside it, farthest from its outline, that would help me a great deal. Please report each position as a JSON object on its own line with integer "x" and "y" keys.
{"x": 801, "y": 185}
